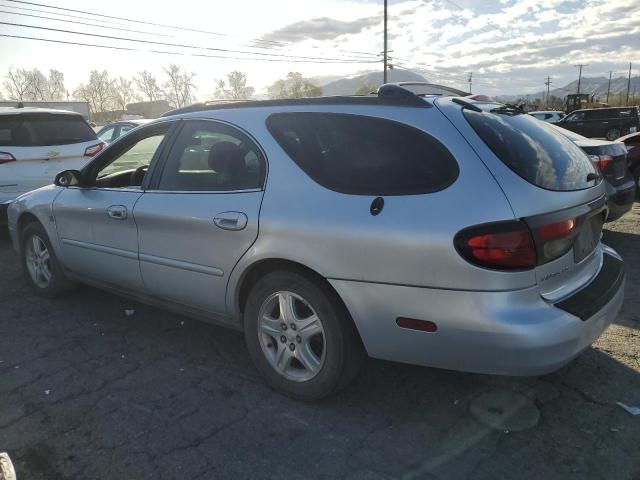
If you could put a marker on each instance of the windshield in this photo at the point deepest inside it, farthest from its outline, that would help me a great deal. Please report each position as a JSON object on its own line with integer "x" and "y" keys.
{"x": 533, "y": 149}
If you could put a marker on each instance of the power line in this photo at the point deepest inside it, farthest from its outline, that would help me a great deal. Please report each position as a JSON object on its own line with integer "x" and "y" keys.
{"x": 609, "y": 86}
{"x": 112, "y": 47}
{"x": 68, "y": 15}
{"x": 183, "y": 45}
{"x": 80, "y": 23}
{"x": 143, "y": 22}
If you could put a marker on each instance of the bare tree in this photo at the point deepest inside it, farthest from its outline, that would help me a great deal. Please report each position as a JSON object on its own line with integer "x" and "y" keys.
{"x": 294, "y": 86}
{"x": 148, "y": 85}
{"x": 124, "y": 92}
{"x": 17, "y": 83}
{"x": 179, "y": 88}
{"x": 235, "y": 88}
{"x": 38, "y": 86}
{"x": 98, "y": 92}
{"x": 55, "y": 86}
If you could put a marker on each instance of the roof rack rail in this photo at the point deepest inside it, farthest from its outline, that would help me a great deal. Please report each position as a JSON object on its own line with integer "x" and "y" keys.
{"x": 406, "y": 100}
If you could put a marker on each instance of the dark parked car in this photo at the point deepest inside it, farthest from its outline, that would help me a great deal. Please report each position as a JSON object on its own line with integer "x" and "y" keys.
{"x": 610, "y": 158}
{"x": 609, "y": 123}
{"x": 632, "y": 142}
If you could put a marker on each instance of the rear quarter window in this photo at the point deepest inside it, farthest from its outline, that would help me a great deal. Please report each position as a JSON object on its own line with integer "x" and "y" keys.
{"x": 43, "y": 129}
{"x": 533, "y": 150}
{"x": 362, "y": 155}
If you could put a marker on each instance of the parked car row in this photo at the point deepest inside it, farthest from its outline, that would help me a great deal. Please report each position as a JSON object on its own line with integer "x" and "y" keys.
{"x": 436, "y": 230}
{"x": 609, "y": 123}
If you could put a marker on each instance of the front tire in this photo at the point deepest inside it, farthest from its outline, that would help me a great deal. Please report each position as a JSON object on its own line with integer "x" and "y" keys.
{"x": 300, "y": 336}
{"x": 39, "y": 261}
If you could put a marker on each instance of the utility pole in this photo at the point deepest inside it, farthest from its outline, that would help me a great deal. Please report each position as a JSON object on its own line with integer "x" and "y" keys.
{"x": 548, "y": 84}
{"x": 580, "y": 75}
{"x": 628, "y": 84}
{"x": 470, "y": 80}
{"x": 609, "y": 87}
{"x": 384, "y": 76}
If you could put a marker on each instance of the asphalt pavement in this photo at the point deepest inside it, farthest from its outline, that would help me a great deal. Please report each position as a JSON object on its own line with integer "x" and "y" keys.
{"x": 88, "y": 392}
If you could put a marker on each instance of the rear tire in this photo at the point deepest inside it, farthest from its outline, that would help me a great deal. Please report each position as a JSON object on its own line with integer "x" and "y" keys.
{"x": 612, "y": 134}
{"x": 310, "y": 351}
{"x": 45, "y": 274}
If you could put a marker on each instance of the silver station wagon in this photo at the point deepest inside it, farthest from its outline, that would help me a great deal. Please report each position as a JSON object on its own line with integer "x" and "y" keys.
{"x": 432, "y": 230}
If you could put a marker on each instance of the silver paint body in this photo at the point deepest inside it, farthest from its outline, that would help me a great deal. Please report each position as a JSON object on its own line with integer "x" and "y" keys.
{"x": 399, "y": 263}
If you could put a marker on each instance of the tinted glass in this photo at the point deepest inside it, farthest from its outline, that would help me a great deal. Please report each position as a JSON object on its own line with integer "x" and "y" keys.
{"x": 44, "y": 129}
{"x": 533, "y": 150}
{"x": 211, "y": 156}
{"x": 364, "y": 155}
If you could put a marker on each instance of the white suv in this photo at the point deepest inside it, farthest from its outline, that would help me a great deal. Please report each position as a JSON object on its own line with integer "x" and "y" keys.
{"x": 37, "y": 143}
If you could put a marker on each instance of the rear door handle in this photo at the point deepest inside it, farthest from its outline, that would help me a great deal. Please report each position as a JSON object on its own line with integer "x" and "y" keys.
{"x": 231, "y": 220}
{"x": 117, "y": 212}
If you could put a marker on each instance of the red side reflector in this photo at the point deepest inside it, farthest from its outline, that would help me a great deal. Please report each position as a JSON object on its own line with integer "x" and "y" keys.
{"x": 6, "y": 158}
{"x": 415, "y": 324}
{"x": 552, "y": 231}
{"x": 94, "y": 149}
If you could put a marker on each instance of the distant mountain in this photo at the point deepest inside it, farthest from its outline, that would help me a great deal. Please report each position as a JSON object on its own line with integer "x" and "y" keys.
{"x": 593, "y": 86}
{"x": 348, "y": 86}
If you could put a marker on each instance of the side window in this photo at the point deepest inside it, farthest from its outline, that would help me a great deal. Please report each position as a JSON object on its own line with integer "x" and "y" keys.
{"x": 107, "y": 134}
{"x": 212, "y": 156}
{"x": 547, "y": 116}
{"x": 575, "y": 117}
{"x": 129, "y": 163}
{"x": 125, "y": 128}
{"x": 361, "y": 155}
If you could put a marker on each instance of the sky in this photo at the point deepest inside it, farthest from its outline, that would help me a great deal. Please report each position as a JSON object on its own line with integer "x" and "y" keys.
{"x": 509, "y": 45}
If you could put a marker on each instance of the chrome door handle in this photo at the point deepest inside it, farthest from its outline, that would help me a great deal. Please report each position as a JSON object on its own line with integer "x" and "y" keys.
{"x": 117, "y": 212}
{"x": 231, "y": 220}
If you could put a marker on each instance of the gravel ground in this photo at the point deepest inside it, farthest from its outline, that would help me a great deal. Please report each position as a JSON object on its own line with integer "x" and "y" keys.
{"x": 87, "y": 392}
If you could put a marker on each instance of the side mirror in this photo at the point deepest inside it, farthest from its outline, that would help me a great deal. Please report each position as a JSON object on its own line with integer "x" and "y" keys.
{"x": 68, "y": 178}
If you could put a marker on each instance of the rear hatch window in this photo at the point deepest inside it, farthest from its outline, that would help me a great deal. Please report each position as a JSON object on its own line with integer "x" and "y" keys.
{"x": 533, "y": 150}
{"x": 43, "y": 129}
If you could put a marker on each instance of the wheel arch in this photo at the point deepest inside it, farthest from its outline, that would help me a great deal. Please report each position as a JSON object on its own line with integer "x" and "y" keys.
{"x": 25, "y": 219}
{"x": 262, "y": 267}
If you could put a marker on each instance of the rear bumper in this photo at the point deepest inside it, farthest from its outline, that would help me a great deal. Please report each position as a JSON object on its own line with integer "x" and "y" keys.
{"x": 620, "y": 198}
{"x": 506, "y": 333}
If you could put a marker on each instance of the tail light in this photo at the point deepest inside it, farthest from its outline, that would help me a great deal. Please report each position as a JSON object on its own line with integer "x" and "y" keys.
{"x": 601, "y": 161}
{"x": 502, "y": 246}
{"x": 515, "y": 245}
{"x": 94, "y": 149}
{"x": 6, "y": 158}
{"x": 554, "y": 239}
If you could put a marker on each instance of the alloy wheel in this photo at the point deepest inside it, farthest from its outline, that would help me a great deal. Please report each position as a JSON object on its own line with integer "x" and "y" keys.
{"x": 38, "y": 261}
{"x": 291, "y": 336}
